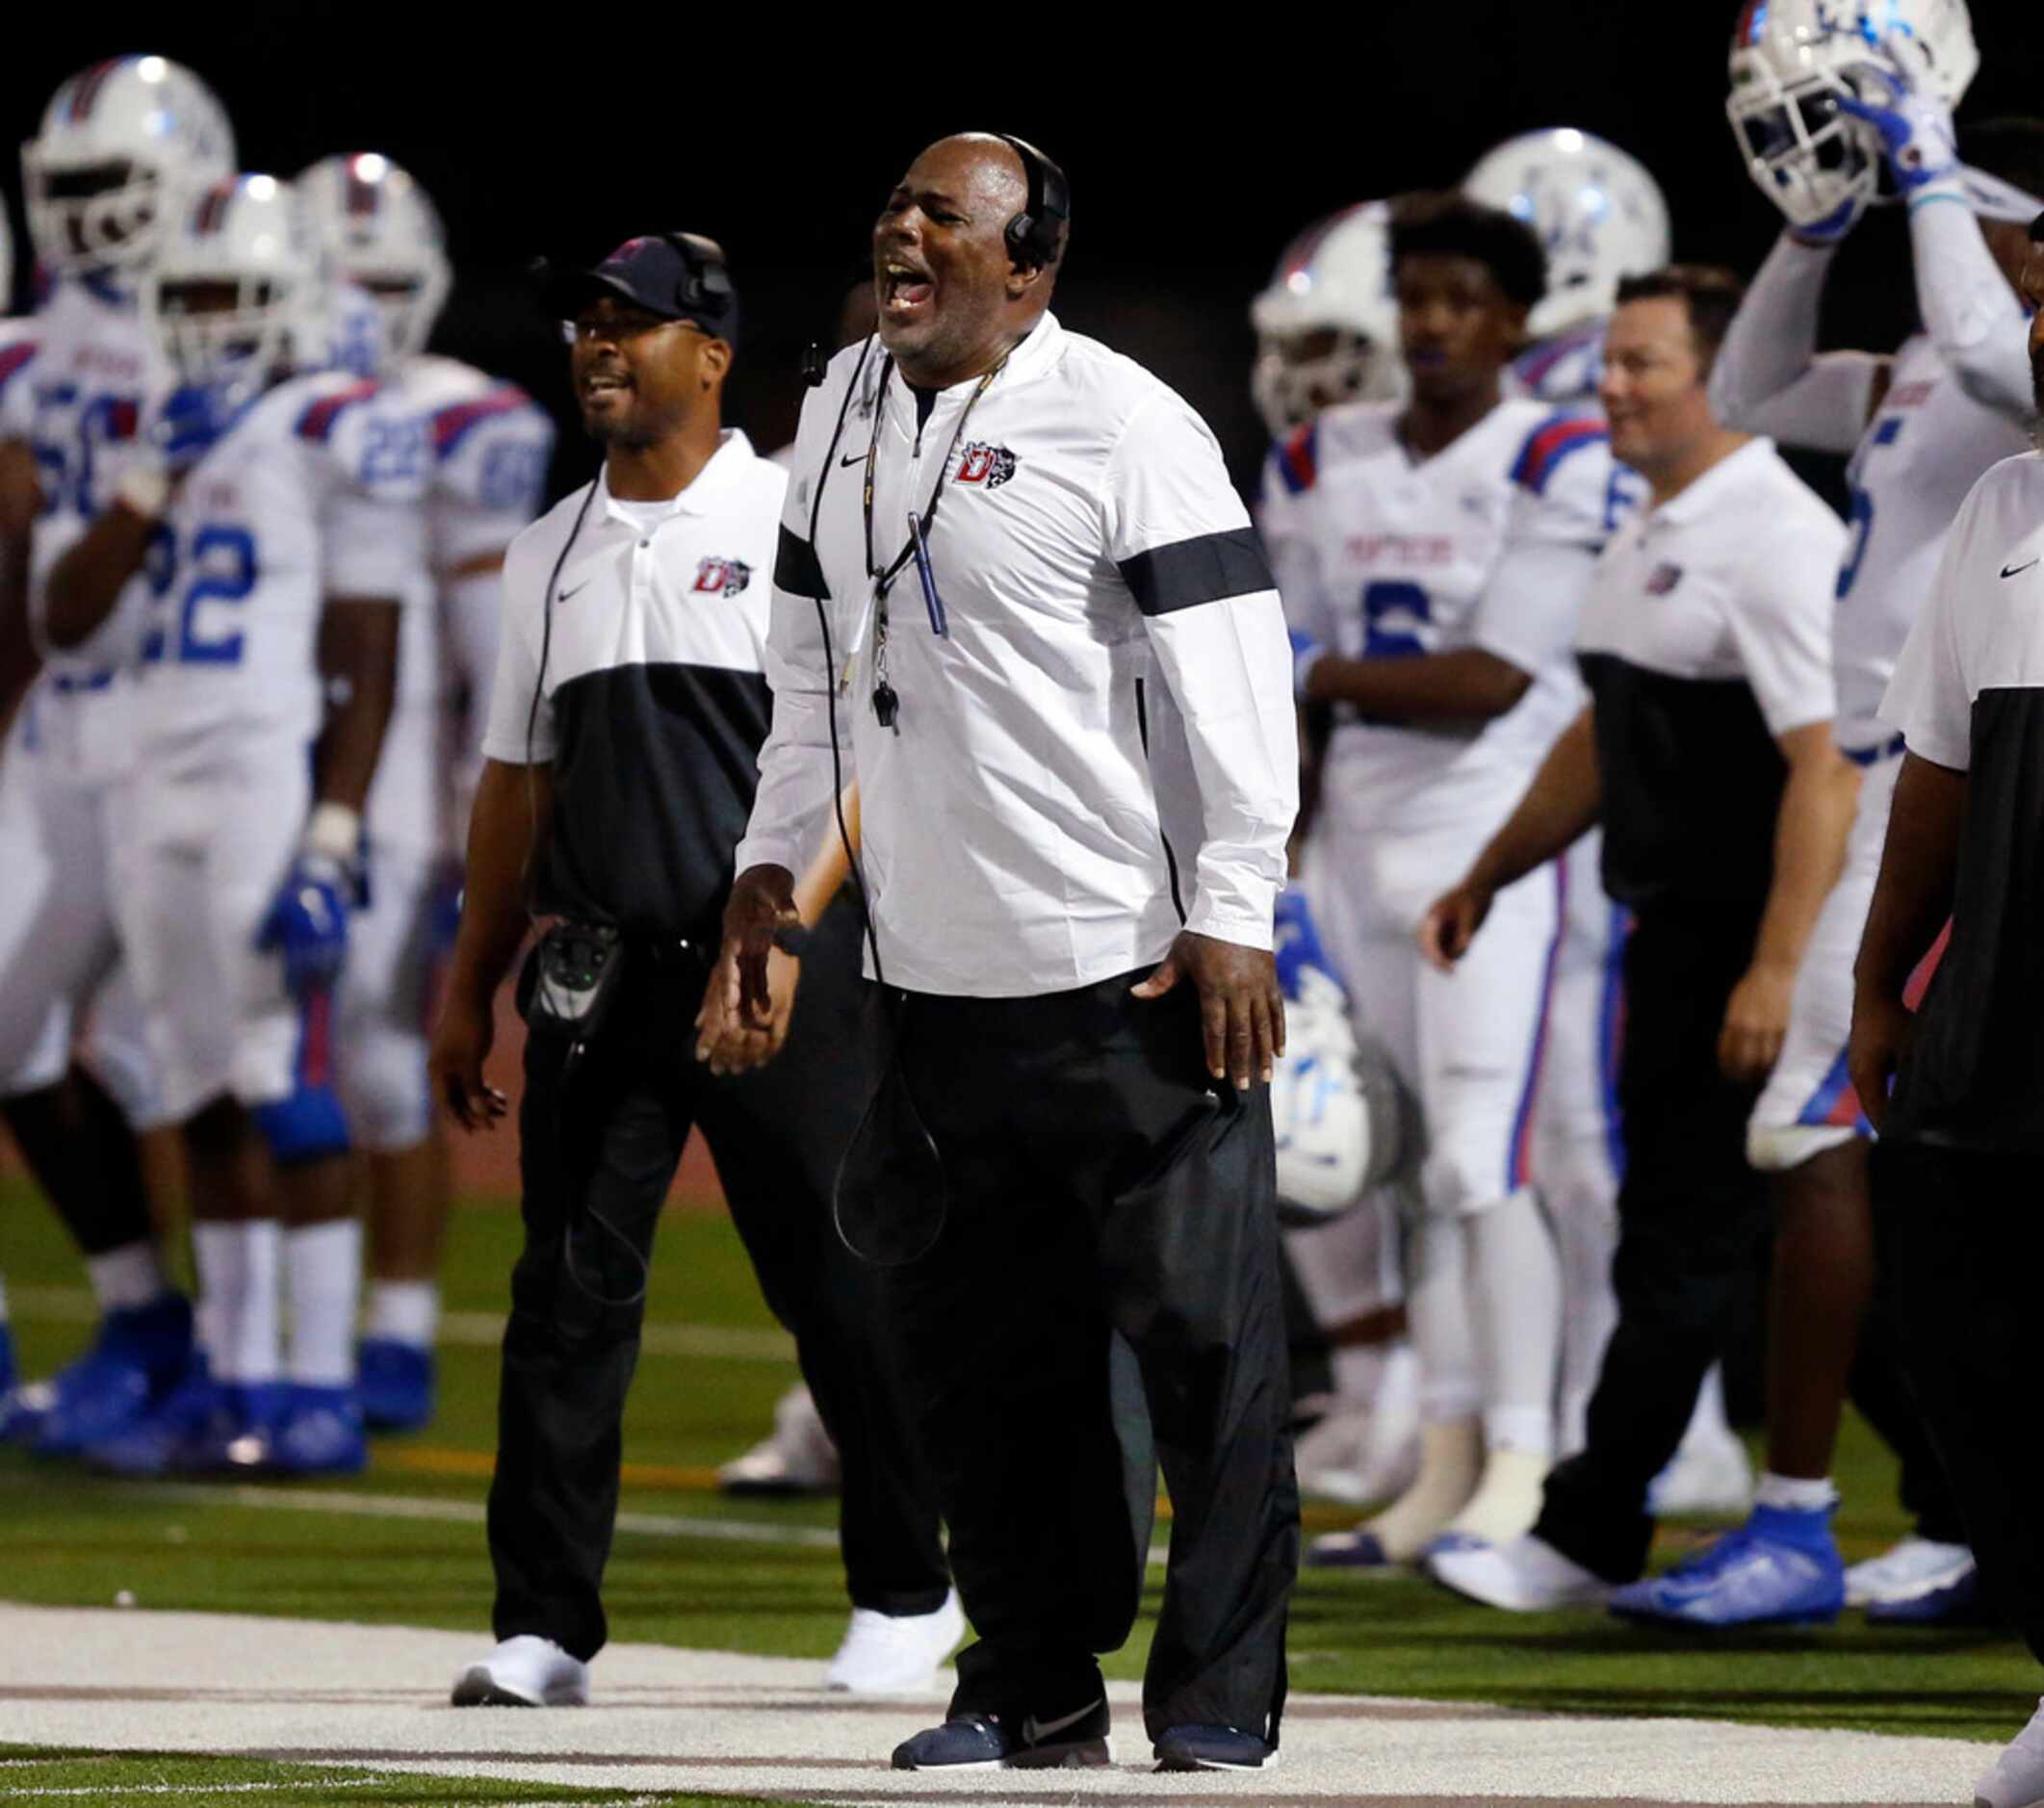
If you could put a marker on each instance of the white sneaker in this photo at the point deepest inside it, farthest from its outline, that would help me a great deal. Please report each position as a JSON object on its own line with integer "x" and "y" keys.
{"x": 891, "y": 1654}
{"x": 1909, "y": 1570}
{"x": 2017, "y": 1779}
{"x": 526, "y": 1671}
{"x": 1710, "y": 1474}
{"x": 1523, "y": 1577}
{"x": 798, "y": 1458}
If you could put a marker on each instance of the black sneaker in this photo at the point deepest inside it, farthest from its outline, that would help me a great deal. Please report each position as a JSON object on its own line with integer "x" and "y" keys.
{"x": 1214, "y": 1749}
{"x": 984, "y": 1741}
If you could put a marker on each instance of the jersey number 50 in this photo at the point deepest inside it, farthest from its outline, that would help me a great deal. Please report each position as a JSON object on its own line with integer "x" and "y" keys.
{"x": 221, "y": 561}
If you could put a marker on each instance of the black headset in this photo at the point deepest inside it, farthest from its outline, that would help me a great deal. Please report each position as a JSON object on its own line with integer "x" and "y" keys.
{"x": 1037, "y": 233}
{"x": 707, "y": 283}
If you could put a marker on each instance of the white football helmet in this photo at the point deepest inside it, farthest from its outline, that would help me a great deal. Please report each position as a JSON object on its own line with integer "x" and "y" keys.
{"x": 1598, "y": 213}
{"x": 238, "y": 291}
{"x": 123, "y": 147}
{"x": 383, "y": 235}
{"x": 1794, "y": 61}
{"x": 1327, "y": 326}
{"x": 1336, "y": 1105}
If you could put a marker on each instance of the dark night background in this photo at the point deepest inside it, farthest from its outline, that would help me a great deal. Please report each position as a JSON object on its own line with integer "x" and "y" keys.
{"x": 1193, "y": 154}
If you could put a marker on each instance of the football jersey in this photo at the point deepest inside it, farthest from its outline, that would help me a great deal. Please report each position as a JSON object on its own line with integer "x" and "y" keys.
{"x": 315, "y": 491}
{"x": 488, "y": 444}
{"x": 18, "y": 342}
{"x": 1564, "y": 369}
{"x": 1919, "y": 456}
{"x": 98, "y": 372}
{"x": 1380, "y": 557}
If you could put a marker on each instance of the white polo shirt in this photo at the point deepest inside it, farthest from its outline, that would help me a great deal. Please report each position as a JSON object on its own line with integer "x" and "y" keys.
{"x": 1967, "y": 693}
{"x": 1704, "y": 637}
{"x": 646, "y": 694}
{"x": 1100, "y": 747}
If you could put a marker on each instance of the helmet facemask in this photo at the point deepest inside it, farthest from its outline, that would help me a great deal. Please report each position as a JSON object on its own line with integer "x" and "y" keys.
{"x": 89, "y": 217}
{"x": 1298, "y": 375}
{"x": 1805, "y": 151}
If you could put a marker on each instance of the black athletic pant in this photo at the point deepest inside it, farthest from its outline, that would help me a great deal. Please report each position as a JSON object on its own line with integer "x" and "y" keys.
{"x": 1879, "y": 1389}
{"x": 1959, "y": 1240}
{"x": 1097, "y": 1185}
{"x": 598, "y": 1152}
{"x": 1691, "y": 1215}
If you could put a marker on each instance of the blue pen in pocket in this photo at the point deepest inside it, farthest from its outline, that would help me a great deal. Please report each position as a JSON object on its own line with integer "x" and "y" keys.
{"x": 934, "y": 603}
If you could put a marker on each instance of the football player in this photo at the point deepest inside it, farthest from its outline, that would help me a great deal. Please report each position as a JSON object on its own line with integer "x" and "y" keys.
{"x": 490, "y": 444}
{"x": 118, "y": 146}
{"x": 1601, "y": 218}
{"x": 1434, "y": 553}
{"x": 1327, "y": 333}
{"x": 1920, "y": 427}
{"x": 263, "y": 534}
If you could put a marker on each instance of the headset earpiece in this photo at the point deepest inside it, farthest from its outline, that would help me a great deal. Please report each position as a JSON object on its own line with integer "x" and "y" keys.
{"x": 708, "y": 284}
{"x": 1037, "y": 234}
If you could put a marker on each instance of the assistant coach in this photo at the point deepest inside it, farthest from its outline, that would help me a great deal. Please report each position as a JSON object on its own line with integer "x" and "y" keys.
{"x": 1062, "y": 687}
{"x": 628, "y": 711}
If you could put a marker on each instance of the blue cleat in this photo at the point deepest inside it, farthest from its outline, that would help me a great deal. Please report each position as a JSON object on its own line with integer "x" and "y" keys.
{"x": 395, "y": 1384}
{"x": 1780, "y": 1568}
{"x": 1214, "y": 1749}
{"x": 202, "y": 1426}
{"x": 1357, "y": 1549}
{"x": 7, "y": 1358}
{"x": 319, "y": 1433}
{"x": 138, "y": 1356}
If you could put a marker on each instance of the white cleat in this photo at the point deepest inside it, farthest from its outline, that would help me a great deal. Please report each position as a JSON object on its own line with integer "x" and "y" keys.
{"x": 889, "y": 1654}
{"x": 1710, "y": 1474}
{"x": 1523, "y": 1577}
{"x": 2017, "y": 1779}
{"x": 798, "y": 1458}
{"x": 1910, "y": 1570}
{"x": 526, "y": 1671}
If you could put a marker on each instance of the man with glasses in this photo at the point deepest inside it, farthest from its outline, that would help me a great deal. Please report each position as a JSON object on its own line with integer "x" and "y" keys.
{"x": 621, "y": 749}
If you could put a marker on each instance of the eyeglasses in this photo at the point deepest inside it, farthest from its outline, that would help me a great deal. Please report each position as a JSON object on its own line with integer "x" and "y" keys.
{"x": 618, "y": 327}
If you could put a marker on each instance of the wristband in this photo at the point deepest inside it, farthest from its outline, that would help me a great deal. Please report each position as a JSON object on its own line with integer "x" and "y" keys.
{"x": 144, "y": 486}
{"x": 335, "y": 831}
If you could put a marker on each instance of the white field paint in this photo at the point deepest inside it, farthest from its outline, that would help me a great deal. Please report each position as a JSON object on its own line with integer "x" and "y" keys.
{"x": 674, "y": 1720}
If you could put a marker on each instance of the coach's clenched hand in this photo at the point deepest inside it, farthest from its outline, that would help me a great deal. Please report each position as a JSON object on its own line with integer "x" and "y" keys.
{"x": 1241, "y": 1009}
{"x": 741, "y": 991}
{"x": 461, "y": 1045}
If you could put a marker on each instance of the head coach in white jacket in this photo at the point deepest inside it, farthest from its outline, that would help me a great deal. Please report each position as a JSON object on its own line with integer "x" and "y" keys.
{"x": 1018, "y": 600}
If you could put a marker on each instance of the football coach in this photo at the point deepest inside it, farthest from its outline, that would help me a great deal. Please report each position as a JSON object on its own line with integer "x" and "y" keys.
{"x": 1018, "y": 600}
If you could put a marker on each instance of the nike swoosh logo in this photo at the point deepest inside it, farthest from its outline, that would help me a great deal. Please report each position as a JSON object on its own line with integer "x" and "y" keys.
{"x": 561, "y": 596}
{"x": 2010, "y": 571}
{"x": 857, "y": 458}
{"x": 1035, "y": 1731}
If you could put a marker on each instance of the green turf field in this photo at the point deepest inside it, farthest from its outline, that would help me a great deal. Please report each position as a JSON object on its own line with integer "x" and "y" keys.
{"x": 199, "y": 1781}
{"x": 404, "y": 1544}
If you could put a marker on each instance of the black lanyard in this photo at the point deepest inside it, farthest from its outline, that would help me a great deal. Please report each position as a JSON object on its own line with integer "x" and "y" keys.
{"x": 882, "y": 579}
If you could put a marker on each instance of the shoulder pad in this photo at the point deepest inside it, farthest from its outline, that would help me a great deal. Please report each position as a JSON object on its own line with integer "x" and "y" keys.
{"x": 316, "y": 421}
{"x": 452, "y": 425}
{"x": 1549, "y": 444}
{"x": 1296, "y": 458}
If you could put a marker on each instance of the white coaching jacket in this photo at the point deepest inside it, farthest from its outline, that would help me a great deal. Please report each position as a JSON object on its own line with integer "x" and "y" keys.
{"x": 1099, "y": 748}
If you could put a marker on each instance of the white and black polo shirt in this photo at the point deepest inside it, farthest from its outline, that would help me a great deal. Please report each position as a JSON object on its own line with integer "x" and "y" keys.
{"x": 1100, "y": 745}
{"x": 632, "y": 661}
{"x": 1704, "y": 637}
{"x": 1967, "y": 693}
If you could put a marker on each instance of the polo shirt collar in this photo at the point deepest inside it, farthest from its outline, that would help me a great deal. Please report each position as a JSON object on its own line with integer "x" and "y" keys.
{"x": 1695, "y": 501}
{"x": 711, "y": 491}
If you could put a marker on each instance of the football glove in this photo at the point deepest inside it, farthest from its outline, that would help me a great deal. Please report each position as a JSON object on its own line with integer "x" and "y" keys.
{"x": 1296, "y": 942}
{"x": 307, "y": 922}
{"x": 1917, "y": 143}
{"x": 193, "y": 418}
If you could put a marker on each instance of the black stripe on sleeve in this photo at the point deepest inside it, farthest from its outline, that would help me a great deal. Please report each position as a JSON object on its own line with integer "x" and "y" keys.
{"x": 795, "y": 569}
{"x": 1203, "y": 569}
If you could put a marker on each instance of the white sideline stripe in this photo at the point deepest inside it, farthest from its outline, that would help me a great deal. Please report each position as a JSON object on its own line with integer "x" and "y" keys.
{"x": 470, "y": 1513}
{"x": 726, "y": 1343}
